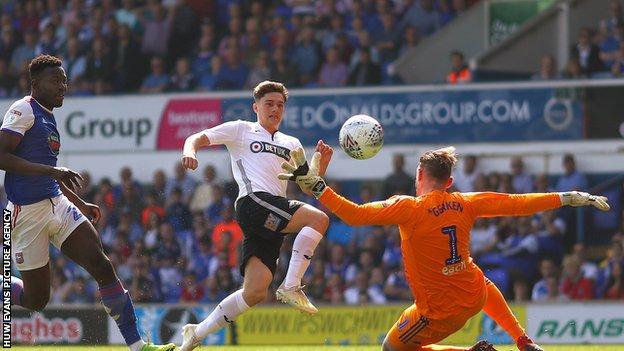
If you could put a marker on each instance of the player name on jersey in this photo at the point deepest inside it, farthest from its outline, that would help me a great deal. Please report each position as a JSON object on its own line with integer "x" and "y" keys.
{"x": 446, "y": 206}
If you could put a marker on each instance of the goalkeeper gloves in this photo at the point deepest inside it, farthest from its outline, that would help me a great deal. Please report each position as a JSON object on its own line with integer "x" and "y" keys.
{"x": 578, "y": 198}
{"x": 309, "y": 182}
{"x": 295, "y": 167}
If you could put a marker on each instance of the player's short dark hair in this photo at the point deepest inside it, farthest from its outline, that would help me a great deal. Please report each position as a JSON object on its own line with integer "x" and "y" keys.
{"x": 40, "y": 63}
{"x": 439, "y": 163}
{"x": 267, "y": 87}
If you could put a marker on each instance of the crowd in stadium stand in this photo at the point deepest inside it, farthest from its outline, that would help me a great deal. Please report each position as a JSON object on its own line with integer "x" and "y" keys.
{"x": 112, "y": 46}
{"x": 175, "y": 240}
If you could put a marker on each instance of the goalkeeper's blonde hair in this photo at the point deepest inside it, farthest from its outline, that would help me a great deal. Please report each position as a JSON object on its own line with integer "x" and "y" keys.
{"x": 439, "y": 163}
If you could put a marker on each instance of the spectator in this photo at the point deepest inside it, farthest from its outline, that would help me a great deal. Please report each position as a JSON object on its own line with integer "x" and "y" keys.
{"x": 24, "y": 53}
{"x": 183, "y": 181}
{"x": 411, "y": 38}
{"x": 158, "y": 79}
{"x": 214, "y": 211}
{"x": 305, "y": 56}
{"x": 182, "y": 79}
{"x": 588, "y": 269}
{"x": 464, "y": 180}
{"x": 156, "y": 32}
{"x": 587, "y": 53}
{"x": 233, "y": 73}
{"x": 460, "y": 73}
{"x": 423, "y": 16}
{"x": 573, "y": 70}
{"x": 521, "y": 181}
{"x": 282, "y": 70}
{"x": 192, "y": 292}
{"x": 333, "y": 72}
{"x": 483, "y": 237}
{"x": 203, "y": 195}
{"x": 398, "y": 182}
{"x": 386, "y": 40}
{"x": 542, "y": 184}
{"x": 184, "y": 27}
{"x": 571, "y": 179}
{"x": 126, "y": 14}
{"x": 152, "y": 208}
{"x": 227, "y": 236}
{"x": 260, "y": 71}
{"x": 366, "y": 72}
{"x": 361, "y": 293}
{"x": 99, "y": 67}
{"x": 615, "y": 282}
{"x": 615, "y": 17}
{"x": 127, "y": 61}
{"x": 7, "y": 81}
{"x": 610, "y": 46}
{"x": 573, "y": 284}
{"x": 178, "y": 213}
{"x": 74, "y": 63}
{"x": 208, "y": 80}
{"x": 48, "y": 44}
{"x": 543, "y": 290}
{"x": 202, "y": 60}
{"x": 548, "y": 69}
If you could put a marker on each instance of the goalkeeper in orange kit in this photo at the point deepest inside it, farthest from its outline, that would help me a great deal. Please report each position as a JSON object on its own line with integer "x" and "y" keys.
{"x": 447, "y": 285}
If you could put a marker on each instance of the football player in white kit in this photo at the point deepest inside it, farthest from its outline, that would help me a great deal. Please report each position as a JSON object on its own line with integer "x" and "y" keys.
{"x": 257, "y": 151}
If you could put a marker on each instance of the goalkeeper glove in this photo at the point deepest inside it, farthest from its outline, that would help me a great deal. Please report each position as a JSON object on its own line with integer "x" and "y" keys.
{"x": 578, "y": 198}
{"x": 295, "y": 167}
{"x": 312, "y": 184}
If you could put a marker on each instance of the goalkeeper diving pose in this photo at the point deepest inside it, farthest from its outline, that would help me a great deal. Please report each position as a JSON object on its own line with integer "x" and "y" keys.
{"x": 447, "y": 285}
{"x": 257, "y": 151}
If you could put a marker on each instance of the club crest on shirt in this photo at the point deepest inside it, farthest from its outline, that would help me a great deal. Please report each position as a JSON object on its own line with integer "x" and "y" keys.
{"x": 19, "y": 257}
{"x": 272, "y": 222}
{"x": 263, "y": 146}
{"x": 54, "y": 142}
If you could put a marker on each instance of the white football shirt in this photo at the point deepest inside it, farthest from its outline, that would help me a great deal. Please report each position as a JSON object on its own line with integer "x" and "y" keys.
{"x": 256, "y": 155}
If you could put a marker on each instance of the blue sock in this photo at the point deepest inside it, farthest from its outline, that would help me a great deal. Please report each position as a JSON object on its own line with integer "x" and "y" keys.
{"x": 118, "y": 305}
{"x": 17, "y": 291}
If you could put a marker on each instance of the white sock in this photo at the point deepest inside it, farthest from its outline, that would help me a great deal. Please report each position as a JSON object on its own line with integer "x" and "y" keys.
{"x": 228, "y": 309}
{"x": 303, "y": 248}
{"x": 137, "y": 346}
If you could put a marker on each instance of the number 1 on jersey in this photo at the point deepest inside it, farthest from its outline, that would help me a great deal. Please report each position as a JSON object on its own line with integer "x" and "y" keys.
{"x": 451, "y": 231}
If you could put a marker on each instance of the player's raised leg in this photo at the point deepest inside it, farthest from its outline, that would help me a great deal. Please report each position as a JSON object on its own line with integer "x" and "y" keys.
{"x": 497, "y": 308}
{"x": 256, "y": 283}
{"x": 311, "y": 224}
{"x": 83, "y": 246}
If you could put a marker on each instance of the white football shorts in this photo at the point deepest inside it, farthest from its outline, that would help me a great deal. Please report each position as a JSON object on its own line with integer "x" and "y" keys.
{"x": 37, "y": 225}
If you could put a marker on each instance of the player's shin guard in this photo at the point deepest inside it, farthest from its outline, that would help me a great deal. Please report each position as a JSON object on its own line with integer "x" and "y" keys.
{"x": 118, "y": 305}
{"x": 17, "y": 291}
{"x": 303, "y": 248}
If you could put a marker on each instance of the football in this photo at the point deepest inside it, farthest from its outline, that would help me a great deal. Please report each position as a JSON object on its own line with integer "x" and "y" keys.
{"x": 361, "y": 137}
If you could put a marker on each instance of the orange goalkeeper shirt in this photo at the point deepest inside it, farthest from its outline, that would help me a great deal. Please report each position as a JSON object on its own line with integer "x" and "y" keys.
{"x": 435, "y": 239}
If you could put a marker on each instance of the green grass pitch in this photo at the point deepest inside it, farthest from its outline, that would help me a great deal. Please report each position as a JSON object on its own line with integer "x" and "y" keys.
{"x": 313, "y": 348}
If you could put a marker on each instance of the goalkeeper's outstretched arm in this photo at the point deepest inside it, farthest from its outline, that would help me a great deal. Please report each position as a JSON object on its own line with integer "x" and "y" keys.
{"x": 491, "y": 204}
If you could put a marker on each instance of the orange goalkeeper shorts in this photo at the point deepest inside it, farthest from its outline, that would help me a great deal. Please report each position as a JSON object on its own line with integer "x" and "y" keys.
{"x": 413, "y": 330}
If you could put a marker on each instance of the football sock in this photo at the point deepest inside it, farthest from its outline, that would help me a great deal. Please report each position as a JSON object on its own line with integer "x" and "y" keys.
{"x": 225, "y": 312}
{"x": 442, "y": 348}
{"x": 118, "y": 305}
{"x": 303, "y": 248}
{"x": 497, "y": 308}
{"x": 17, "y": 291}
